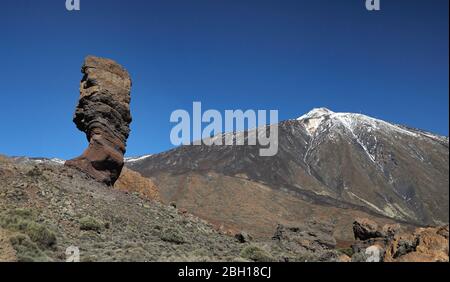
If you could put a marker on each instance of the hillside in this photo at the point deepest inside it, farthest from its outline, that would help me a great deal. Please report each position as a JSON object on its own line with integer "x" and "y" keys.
{"x": 46, "y": 207}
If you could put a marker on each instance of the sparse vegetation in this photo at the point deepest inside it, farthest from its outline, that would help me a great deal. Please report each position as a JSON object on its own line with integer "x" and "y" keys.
{"x": 34, "y": 172}
{"x": 118, "y": 226}
{"x": 307, "y": 257}
{"x": 40, "y": 234}
{"x": 30, "y": 238}
{"x": 23, "y": 221}
{"x": 172, "y": 235}
{"x": 26, "y": 250}
{"x": 255, "y": 253}
{"x": 89, "y": 223}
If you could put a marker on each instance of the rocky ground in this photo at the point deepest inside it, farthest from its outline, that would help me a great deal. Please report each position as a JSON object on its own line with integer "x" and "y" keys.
{"x": 46, "y": 208}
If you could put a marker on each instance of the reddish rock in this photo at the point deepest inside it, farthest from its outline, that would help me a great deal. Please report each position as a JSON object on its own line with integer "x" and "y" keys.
{"x": 103, "y": 113}
{"x": 133, "y": 182}
{"x": 391, "y": 243}
{"x": 344, "y": 258}
{"x": 424, "y": 245}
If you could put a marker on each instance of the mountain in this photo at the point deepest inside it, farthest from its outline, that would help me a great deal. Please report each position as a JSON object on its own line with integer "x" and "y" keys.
{"x": 329, "y": 165}
{"x": 334, "y": 192}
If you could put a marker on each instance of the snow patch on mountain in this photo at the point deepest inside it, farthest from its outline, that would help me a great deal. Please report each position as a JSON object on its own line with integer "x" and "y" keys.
{"x": 314, "y": 119}
{"x": 136, "y": 159}
{"x": 58, "y": 161}
{"x": 54, "y": 161}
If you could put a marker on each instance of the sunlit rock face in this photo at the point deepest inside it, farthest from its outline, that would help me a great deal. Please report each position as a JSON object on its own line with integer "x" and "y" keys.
{"x": 103, "y": 113}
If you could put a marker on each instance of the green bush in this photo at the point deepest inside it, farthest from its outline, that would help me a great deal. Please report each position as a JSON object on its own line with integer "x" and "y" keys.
{"x": 16, "y": 219}
{"x": 172, "y": 235}
{"x": 257, "y": 254}
{"x": 89, "y": 223}
{"x": 34, "y": 172}
{"x": 40, "y": 234}
{"x": 26, "y": 250}
{"x": 22, "y": 220}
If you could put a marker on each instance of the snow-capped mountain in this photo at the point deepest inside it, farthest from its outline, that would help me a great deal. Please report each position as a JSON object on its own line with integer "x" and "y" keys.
{"x": 344, "y": 160}
{"x": 321, "y": 118}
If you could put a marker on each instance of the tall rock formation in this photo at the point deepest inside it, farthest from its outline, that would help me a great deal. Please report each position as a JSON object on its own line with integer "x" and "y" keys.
{"x": 103, "y": 113}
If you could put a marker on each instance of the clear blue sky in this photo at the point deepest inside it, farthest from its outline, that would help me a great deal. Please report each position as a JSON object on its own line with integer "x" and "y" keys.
{"x": 228, "y": 54}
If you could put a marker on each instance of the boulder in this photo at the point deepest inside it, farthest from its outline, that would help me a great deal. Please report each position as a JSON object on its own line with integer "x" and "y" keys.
{"x": 243, "y": 237}
{"x": 314, "y": 236}
{"x": 373, "y": 253}
{"x": 344, "y": 258}
{"x": 364, "y": 229}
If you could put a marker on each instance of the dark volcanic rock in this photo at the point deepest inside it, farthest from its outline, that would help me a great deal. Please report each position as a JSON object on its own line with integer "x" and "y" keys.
{"x": 314, "y": 236}
{"x": 243, "y": 237}
{"x": 365, "y": 229}
{"x": 103, "y": 113}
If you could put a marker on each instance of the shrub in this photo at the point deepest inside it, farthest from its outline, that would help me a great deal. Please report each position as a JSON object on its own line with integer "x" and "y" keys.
{"x": 89, "y": 223}
{"x": 40, "y": 234}
{"x": 22, "y": 220}
{"x": 16, "y": 219}
{"x": 34, "y": 172}
{"x": 257, "y": 254}
{"x": 26, "y": 250}
{"x": 172, "y": 235}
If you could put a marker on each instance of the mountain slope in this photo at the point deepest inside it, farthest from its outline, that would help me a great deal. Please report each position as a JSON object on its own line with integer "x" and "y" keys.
{"x": 351, "y": 162}
{"x": 46, "y": 208}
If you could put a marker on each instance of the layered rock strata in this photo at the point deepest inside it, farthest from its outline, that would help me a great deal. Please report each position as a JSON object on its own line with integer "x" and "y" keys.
{"x": 103, "y": 113}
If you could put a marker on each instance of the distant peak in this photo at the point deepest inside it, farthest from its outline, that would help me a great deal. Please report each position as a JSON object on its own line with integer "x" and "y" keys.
{"x": 314, "y": 118}
{"x": 316, "y": 113}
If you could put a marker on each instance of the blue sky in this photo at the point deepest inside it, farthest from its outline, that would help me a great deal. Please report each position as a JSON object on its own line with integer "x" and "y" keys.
{"x": 286, "y": 55}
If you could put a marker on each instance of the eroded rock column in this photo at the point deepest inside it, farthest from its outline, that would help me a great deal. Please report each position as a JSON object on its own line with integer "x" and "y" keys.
{"x": 103, "y": 113}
